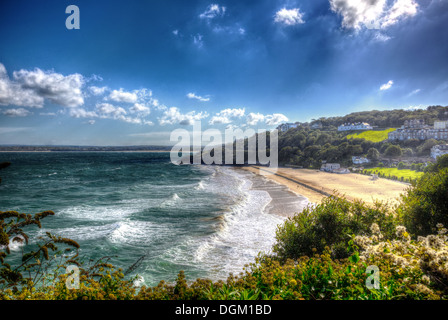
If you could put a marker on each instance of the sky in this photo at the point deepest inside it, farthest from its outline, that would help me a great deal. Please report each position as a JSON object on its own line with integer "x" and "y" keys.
{"x": 136, "y": 70}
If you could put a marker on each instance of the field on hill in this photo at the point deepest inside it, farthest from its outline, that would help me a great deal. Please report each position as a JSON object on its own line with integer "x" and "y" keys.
{"x": 394, "y": 172}
{"x": 372, "y": 135}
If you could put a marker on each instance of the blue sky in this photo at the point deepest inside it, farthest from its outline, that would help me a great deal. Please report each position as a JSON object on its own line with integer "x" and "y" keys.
{"x": 136, "y": 70}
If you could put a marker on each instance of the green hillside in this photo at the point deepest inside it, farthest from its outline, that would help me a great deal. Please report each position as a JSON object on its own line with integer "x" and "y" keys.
{"x": 371, "y": 135}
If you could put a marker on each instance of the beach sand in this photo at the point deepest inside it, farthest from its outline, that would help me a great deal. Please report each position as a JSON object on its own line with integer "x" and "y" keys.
{"x": 315, "y": 185}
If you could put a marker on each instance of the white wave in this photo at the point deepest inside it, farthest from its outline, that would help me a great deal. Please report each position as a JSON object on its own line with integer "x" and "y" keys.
{"x": 200, "y": 186}
{"x": 99, "y": 213}
{"x": 15, "y": 245}
{"x": 247, "y": 228}
{"x": 172, "y": 201}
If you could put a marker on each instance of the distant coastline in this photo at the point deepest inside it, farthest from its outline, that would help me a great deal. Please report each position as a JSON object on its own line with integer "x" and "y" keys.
{"x": 85, "y": 149}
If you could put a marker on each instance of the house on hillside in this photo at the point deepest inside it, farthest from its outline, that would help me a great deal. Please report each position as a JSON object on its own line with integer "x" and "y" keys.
{"x": 329, "y": 167}
{"x": 416, "y": 129}
{"x": 360, "y": 160}
{"x": 286, "y": 126}
{"x": 439, "y": 150}
{"x": 355, "y": 126}
{"x": 333, "y": 168}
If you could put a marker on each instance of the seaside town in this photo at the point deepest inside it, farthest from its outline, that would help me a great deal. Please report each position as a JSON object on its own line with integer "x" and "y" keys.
{"x": 411, "y": 131}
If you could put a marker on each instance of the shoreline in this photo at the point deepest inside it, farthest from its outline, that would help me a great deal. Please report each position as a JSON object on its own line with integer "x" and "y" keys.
{"x": 312, "y": 196}
{"x": 316, "y": 185}
{"x": 284, "y": 201}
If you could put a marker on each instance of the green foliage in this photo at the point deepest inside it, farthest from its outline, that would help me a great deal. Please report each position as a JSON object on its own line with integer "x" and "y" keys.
{"x": 35, "y": 263}
{"x": 331, "y": 223}
{"x": 425, "y": 205}
{"x": 373, "y": 154}
{"x": 393, "y": 151}
{"x": 441, "y": 163}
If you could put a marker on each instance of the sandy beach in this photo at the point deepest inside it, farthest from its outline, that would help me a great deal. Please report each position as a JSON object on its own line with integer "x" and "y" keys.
{"x": 315, "y": 185}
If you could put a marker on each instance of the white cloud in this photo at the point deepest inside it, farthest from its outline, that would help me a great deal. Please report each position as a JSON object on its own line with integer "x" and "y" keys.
{"x": 213, "y": 11}
{"x": 253, "y": 118}
{"x": 123, "y": 96}
{"x": 176, "y": 32}
{"x": 380, "y": 37}
{"x": 82, "y": 113}
{"x": 194, "y": 96}
{"x": 140, "y": 109}
{"x": 413, "y": 93}
{"x": 387, "y": 85}
{"x": 63, "y": 90}
{"x": 48, "y": 114}
{"x": 275, "y": 119}
{"x": 20, "y": 112}
{"x": 400, "y": 9}
{"x": 91, "y": 122}
{"x": 97, "y": 91}
{"x": 226, "y": 116}
{"x": 197, "y": 40}
{"x": 289, "y": 17}
{"x": 174, "y": 116}
{"x": 109, "y": 111}
{"x": 31, "y": 88}
{"x": 373, "y": 14}
{"x": 106, "y": 110}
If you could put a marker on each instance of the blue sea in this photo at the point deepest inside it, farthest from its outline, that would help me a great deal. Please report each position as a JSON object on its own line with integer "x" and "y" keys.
{"x": 206, "y": 220}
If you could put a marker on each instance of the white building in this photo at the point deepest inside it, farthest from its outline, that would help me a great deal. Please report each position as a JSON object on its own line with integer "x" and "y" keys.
{"x": 360, "y": 160}
{"x": 439, "y": 150}
{"x": 417, "y": 130}
{"x": 286, "y": 126}
{"x": 329, "y": 167}
{"x": 440, "y": 125}
{"x": 355, "y": 126}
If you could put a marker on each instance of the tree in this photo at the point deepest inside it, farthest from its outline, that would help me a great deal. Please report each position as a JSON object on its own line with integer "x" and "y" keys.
{"x": 424, "y": 205}
{"x": 373, "y": 154}
{"x": 393, "y": 151}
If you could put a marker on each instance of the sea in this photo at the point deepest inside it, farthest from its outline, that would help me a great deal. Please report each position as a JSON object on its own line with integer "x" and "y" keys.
{"x": 144, "y": 211}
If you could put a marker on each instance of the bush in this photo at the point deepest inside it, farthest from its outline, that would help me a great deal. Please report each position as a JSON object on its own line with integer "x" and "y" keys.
{"x": 425, "y": 204}
{"x": 331, "y": 224}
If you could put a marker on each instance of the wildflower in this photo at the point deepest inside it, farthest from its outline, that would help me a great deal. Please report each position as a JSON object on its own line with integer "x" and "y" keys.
{"x": 375, "y": 228}
{"x": 423, "y": 289}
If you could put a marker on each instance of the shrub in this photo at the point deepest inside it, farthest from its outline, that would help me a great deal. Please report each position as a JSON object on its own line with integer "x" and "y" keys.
{"x": 331, "y": 224}
{"x": 425, "y": 204}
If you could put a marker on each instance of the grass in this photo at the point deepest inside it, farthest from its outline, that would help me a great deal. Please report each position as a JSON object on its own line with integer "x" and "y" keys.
{"x": 371, "y": 135}
{"x": 405, "y": 173}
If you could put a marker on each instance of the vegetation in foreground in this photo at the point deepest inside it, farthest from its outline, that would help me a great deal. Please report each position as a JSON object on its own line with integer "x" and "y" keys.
{"x": 323, "y": 253}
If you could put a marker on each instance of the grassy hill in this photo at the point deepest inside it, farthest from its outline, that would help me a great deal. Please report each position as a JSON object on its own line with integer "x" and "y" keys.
{"x": 371, "y": 135}
{"x": 405, "y": 173}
